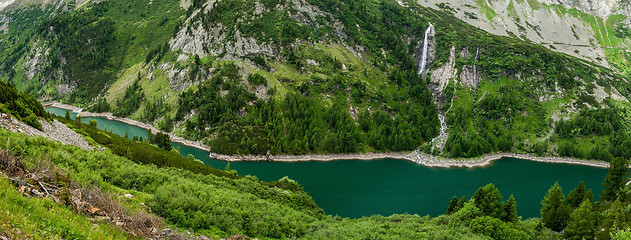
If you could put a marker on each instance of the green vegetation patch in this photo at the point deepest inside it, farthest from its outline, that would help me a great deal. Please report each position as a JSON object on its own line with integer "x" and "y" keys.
{"x": 21, "y": 105}
{"x": 24, "y": 217}
{"x": 213, "y": 205}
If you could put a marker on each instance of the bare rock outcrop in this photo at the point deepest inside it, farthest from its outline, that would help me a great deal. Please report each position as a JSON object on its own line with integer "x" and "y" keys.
{"x": 468, "y": 78}
{"x": 446, "y": 73}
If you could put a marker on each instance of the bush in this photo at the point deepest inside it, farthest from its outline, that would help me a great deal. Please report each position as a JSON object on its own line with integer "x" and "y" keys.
{"x": 495, "y": 228}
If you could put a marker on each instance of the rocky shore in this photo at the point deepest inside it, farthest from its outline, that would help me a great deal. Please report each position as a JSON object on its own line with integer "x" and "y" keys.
{"x": 53, "y": 130}
{"x": 62, "y": 106}
{"x": 420, "y": 158}
{"x": 485, "y": 160}
{"x": 415, "y": 156}
{"x": 312, "y": 157}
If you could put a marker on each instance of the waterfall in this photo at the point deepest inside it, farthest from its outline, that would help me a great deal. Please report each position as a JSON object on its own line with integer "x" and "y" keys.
{"x": 475, "y": 60}
{"x": 425, "y": 51}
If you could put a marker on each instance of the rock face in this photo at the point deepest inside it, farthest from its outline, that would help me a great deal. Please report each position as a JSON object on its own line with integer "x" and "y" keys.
{"x": 9, "y": 5}
{"x": 446, "y": 73}
{"x": 195, "y": 38}
{"x": 215, "y": 42}
{"x": 600, "y": 8}
{"x": 34, "y": 65}
{"x": 553, "y": 26}
{"x": 467, "y": 78}
{"x": 470, "y": 76}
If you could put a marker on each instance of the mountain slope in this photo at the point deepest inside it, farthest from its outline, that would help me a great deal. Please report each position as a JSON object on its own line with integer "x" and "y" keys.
{"x": 297, "y": 77}
{"x": 596, "y": 31}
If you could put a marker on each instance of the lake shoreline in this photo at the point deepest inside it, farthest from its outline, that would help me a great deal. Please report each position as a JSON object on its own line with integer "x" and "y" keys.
{"x": 419, "y": 158}
{"x": 110, "y": 116}
{"x": 414, "y": 156}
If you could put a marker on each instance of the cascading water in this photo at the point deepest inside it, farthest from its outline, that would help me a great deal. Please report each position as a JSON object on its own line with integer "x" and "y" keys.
{"x": 425, "y": 50}
{"x": 439, "y": 141}
{"x": 475, "y": 61}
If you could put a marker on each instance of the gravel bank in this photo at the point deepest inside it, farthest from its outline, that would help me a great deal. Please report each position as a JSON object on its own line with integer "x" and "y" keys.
{"x": 58, "y": 131}
{"x": 54, "y": 130}
{"x": 420, "y": 158}
{"x": 62, "y": 106}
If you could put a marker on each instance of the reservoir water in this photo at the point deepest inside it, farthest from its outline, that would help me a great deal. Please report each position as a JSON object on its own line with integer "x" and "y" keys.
{"x": 355, "y": 188}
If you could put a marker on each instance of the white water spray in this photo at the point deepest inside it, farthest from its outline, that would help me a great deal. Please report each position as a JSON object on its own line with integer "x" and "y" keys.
{"x": 425, "y": 51}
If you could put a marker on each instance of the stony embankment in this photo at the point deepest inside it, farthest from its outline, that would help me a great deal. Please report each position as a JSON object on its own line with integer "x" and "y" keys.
{"x": 53, "y": 130}
{"x": 62, "y": 106}
{"x": 420, "y": 158}
{"x": 485, "y": 160}
{"x": 312, "y": 157}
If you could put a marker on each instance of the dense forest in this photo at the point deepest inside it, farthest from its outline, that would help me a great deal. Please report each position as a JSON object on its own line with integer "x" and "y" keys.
{"x": 22, "y": 106}
{"x": 298, "y": 123}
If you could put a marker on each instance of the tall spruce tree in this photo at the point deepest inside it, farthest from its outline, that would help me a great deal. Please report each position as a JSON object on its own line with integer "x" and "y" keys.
{"x": 510, "y": 210}
{"x": 614, "y": 220}
{"x": 578, "y": 194}
{"x": 77, "y": 121}
{"x": 453, "y": 204}
{"x": 489, "y": 200}
{"x": 616, "y": 179}
{"x": 461, "y": 203}
{"x": 582, "y": 223}
{"x": 555, "y": 213}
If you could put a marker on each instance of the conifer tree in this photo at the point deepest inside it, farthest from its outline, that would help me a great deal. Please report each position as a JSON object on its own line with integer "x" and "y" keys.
{"x": 580, "y": 193}
{"x": 453, "y": 204}
{"x": 510, "y": 210}
{"x": 616, "y": 179}
{"x": 613, "y": 221}
{"x": 555, "y": 213}
{"x": 77, "y": 120}
{"x": 67, "y": 115}
{"x": 489, "y": 200}
{"x": 582, "y": 223}
{"x": 461, "y": 203}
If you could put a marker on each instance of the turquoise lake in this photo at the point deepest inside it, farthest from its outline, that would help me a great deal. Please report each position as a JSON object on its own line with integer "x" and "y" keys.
{"x": 355, "y": 188}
